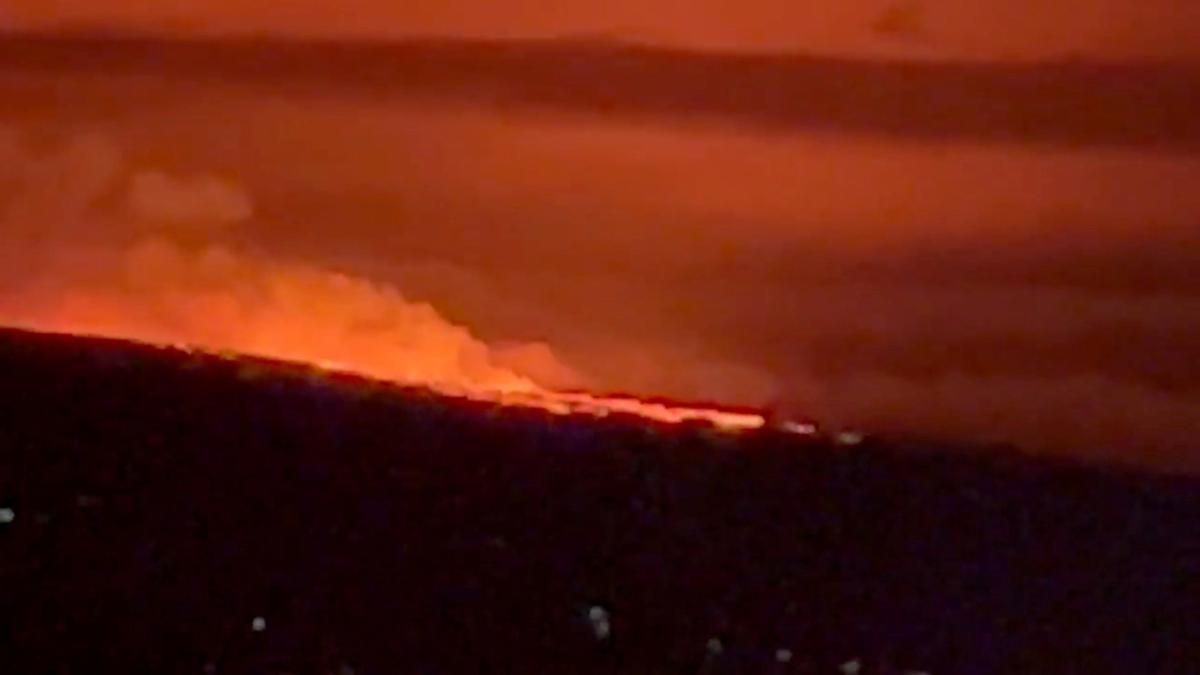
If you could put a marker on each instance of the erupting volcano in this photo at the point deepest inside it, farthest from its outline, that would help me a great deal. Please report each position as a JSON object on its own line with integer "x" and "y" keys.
{"x": 468, "y": 339}
{"x": 223, "y": 303}
{"x": 155, "y": 270}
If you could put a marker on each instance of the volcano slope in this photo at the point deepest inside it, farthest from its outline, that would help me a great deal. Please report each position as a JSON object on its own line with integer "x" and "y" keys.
{"x": 171, "y": 512}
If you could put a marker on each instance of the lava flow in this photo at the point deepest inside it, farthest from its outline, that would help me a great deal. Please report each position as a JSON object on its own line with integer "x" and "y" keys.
{"x": 93, "y": 246}
{"x": 583, "y": 403}
{"x": 519, "y": 391}
{"x": 516, "y": 391}
{"x": 336, "y": 324}
{"x": 221, "y": 302}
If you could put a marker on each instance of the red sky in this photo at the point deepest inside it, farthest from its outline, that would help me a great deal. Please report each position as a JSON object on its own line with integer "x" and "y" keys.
{"x": 993, "y": 29}
{"x": 975, "y": 251}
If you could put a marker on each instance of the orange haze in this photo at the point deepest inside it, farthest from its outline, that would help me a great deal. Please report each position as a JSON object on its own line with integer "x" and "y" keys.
{"x": 929, "y": 29}
{"x": 167, "y": 285}
{"x": 976, "y": 251}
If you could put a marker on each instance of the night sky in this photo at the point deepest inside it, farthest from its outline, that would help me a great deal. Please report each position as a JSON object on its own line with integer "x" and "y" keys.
{"x": 965, "y": 219}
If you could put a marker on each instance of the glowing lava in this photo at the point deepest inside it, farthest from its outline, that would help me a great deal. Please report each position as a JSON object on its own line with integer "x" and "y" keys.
{"x": 523, "y": 393}
{"x": 582, "y": 403}
{"x": 93, "y": 246}
{"x": 510, "y": 389}
{"x": 218, "y": 301}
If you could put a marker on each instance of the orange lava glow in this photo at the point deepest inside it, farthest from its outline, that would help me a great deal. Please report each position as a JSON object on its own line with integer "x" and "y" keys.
{"x": 523, "y": 393}
{"x": 582, "y": 403}
{"x": 500, "y": 387}
{"x": 518, "y": 391}
{"x": 164, "y": 274}
{"x": 219, "y": 301}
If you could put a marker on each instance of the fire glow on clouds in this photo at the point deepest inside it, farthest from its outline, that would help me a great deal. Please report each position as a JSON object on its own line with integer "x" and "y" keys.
{"x": 165, "y": 278}
{"x": 167, "y": 282}
{"x": 985, "y": 253}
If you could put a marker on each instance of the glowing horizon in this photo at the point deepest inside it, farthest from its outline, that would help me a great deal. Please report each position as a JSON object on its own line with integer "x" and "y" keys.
{"x": 519, "y": 392}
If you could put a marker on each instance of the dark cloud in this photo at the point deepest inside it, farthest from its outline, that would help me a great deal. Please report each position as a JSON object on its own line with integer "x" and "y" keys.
{"x": 978, "y": 29}
{"x": 1065, "y": 104}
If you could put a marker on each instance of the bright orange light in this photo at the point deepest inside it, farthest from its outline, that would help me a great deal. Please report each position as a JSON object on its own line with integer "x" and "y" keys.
{"x": 216, "y": 301}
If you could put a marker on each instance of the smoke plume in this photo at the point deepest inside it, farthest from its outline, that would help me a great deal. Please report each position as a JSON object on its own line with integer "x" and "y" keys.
{"x": 113, "y": 251}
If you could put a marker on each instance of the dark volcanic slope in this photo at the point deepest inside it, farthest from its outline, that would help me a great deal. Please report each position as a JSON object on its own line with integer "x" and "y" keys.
{"x": 161, "y": 502}
{"x": 1065, "y": 104}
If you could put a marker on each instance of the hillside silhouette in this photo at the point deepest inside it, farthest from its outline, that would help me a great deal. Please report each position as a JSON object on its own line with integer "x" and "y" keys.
{"x": 178, "y": 513}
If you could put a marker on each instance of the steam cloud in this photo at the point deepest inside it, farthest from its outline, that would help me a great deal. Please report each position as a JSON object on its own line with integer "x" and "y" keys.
{"x": 117, "y": 252}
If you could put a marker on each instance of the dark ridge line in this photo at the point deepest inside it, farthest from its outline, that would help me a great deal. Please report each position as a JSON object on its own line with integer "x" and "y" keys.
{"x": 253, "y": 373}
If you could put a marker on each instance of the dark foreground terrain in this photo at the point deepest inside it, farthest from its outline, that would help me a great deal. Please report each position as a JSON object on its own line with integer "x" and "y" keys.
{"x": 167, "y": 513}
